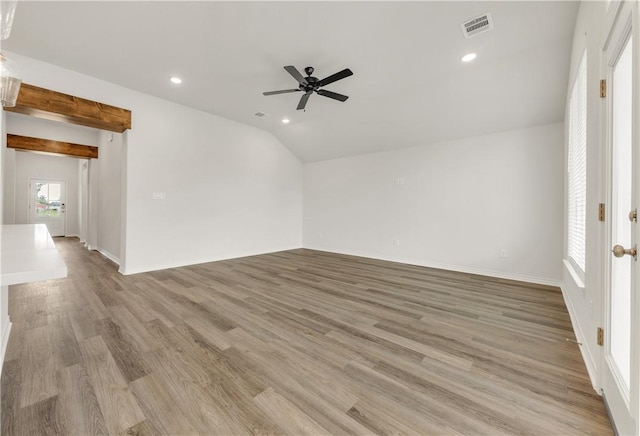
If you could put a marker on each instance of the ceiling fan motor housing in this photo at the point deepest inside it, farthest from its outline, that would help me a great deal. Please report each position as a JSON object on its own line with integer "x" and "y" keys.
{"x": 312, "y": 83}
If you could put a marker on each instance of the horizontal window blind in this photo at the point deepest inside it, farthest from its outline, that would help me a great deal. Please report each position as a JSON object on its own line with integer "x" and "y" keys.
{"x": 577, "y": 167}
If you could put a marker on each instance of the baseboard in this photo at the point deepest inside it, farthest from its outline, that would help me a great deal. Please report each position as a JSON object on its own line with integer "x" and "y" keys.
{"x": 91, "y": 247}
{"x": 587, "y": 357}
{"x": 6, "y": 331}
{"x": 128, "y": 270}
{"x": 613, "y": 423}
{"x": 109, "y": 256}
{"x": 456, "y": 268}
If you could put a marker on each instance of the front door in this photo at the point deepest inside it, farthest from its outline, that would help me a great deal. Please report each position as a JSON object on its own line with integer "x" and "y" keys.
{"x": 47, "y": 205}
{"x": 621, "y": 366}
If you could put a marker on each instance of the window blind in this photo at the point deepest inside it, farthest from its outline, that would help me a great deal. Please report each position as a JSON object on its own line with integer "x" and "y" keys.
{"x": 577, "y": 167}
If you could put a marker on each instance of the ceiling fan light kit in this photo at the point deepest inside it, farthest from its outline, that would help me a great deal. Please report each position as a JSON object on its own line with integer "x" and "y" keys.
{"x": 311, "y": 84}
{"x": 10, "y": 81}
{"x": 7, "y": 11}
{"x": 10, "y": 78}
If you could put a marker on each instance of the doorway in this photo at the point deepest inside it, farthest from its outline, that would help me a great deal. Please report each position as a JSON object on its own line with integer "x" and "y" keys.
{"x": 47, "y": 205}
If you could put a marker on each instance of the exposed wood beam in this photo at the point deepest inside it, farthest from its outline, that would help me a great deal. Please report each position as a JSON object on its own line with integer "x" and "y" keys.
{"x": 48, "y": 146}
{"x": 53, "y": 105}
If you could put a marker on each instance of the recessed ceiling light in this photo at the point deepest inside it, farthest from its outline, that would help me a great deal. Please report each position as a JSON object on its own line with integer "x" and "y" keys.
{"x": 468, "y": 57}
{"x": 285, "y": 121}
{"x": 176, "y": 80}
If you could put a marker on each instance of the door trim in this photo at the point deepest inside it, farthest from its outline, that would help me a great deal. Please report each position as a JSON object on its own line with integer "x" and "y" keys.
{"x": 623, "y": 23}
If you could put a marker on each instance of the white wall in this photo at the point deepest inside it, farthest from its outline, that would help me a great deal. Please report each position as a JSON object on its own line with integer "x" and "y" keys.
{"x": 458, "y": 204}
{"x": 231, "y": 190}
{"x": 5, "y": 321}
{"x": 25, "y": 125}
{"x": 109, "y": 204}
{"x": 83, "y": 199}
{"x": 8, "y": 183}
{"x": 39, "y": 166}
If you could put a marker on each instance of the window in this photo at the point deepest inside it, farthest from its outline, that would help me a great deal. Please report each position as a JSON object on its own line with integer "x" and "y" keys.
{"x": 577, "y": 168}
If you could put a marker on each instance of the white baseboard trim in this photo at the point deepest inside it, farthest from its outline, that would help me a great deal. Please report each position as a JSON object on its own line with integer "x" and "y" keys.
{"x": 109, "y": 256}
{"x": 587, "y": 357}
{"x": 6, "y": 331}
{"x": 128, "y": 270}
{"x": 91, "y": 247}
{"x": 457, "y": 268}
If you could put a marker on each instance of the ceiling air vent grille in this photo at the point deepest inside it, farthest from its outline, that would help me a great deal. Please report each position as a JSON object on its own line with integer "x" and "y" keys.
{"x": 260, "y": 114}
{"x": 477, "y": 25}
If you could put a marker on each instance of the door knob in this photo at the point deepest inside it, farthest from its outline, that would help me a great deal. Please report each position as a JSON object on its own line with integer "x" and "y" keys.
{"x": 633, "y": 216}
{"x": 619, "y": 251}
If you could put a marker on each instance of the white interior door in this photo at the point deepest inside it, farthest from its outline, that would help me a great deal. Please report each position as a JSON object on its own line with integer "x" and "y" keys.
{"x": 47, "y": 205}
{"x": 621, "y": 369}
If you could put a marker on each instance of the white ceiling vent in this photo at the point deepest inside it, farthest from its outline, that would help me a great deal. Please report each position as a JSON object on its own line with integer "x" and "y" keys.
{"x": 477, "y": 25}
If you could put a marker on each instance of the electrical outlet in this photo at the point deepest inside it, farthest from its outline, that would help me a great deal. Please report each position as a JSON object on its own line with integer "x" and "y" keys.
{"x": 503, "y": 252}
{"x": 396, "y": 242}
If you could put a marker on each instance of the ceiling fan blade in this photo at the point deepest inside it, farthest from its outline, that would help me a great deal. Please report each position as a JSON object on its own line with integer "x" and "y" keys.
{"x": 334, "y": 77}
{"x": 284, "y": 91}
{"x": 296, "y": 74}
{"x": 333, "y": 95}
{"x": 303, "y": 100}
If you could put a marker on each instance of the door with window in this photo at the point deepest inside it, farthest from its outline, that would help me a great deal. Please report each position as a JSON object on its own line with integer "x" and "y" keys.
{"x": 47, "y": 205}
{"x": 621, "y": 365}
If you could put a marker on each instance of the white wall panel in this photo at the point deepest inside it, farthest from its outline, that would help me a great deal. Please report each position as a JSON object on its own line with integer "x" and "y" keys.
{"x": 490, "y": 204}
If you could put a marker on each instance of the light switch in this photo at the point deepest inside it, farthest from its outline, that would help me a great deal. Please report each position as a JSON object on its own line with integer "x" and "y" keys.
{"x": 159, "y": 196}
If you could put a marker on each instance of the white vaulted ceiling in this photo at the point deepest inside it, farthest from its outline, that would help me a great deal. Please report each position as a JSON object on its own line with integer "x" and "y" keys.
{"x": 409, "y": 87}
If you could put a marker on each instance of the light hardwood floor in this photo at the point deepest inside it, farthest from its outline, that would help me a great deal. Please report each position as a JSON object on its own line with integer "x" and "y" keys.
{"x": 297, "y": 342}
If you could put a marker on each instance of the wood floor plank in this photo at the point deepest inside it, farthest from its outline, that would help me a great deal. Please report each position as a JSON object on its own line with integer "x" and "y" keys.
{"x": 137, "y": 332}
{"x": 307, "y": 375}
{"x": 41, "y": 418}
{"x": 63, "y": 340}
{"x": 207, "y": 413}
{"x": 293, "y": 342}
{"x": 159, "y": 406}
{"x": 122, "y": 348}
{"x": 10, "y": 389}
{"x": 144, "y": 428}
{"x": 118, "y": 406}
{"x": 78, "y": 402}
{"x": 176, "y": 354}
{"x": 292, "y": 419}
{"x": 38, "y": 367}
{"x": 83, "y": 325}
{"x": 82, "y": 293}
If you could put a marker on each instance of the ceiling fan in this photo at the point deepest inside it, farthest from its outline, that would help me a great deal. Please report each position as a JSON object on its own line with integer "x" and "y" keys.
{"x": 312, "y": 84}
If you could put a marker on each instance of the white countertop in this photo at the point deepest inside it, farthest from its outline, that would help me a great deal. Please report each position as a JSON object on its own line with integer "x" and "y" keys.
{"x": 28, "y": 254}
